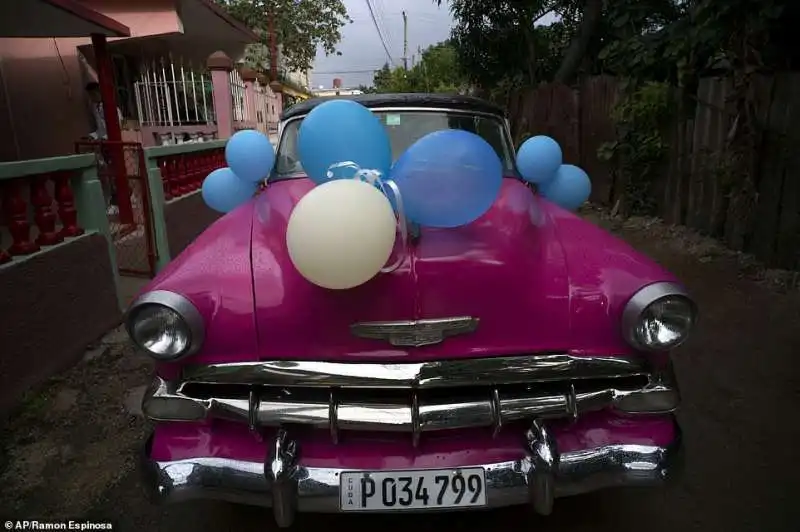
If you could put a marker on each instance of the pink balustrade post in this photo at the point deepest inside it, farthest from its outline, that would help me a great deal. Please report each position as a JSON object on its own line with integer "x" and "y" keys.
{"x": 183, "y": 173}
{"x": 16, "y": 211}
{"x": 167, "y": 166}
{"x": 66, "y": 206}
{"x": 249, "y": 77}
{"x": 221, "y": 66}
{"x": 195, "y": 171}
{"x": 43, "y": 212}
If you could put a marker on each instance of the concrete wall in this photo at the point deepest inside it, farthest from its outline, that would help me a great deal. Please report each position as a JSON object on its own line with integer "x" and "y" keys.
{"x": 53, "y": 305}
{"x": 186, "y": 218}
{"x": 43, "y": 109}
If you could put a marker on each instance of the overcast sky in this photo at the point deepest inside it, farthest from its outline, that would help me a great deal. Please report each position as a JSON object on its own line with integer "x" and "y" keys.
{"x": 361, "y": 46}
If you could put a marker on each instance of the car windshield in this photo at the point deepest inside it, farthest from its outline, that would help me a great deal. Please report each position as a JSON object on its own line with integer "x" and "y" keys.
{"x": 404, "y": 128}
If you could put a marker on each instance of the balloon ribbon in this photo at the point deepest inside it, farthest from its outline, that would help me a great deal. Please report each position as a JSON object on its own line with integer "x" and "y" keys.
{"x": 374, "y": 177}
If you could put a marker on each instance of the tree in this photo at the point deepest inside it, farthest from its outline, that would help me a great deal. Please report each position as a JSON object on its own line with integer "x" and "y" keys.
{"x": 498, "y": 42}
{"x": 301, "y": 26}
{"x": 437, "y": 70}
{"x": 667, "y": 40}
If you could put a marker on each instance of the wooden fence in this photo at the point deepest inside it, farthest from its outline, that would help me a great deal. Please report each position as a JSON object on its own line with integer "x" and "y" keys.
{"x": 694, "y": 188}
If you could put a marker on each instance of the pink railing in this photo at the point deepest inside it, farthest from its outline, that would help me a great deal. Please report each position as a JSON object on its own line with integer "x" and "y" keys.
{"x": 184, "y": 167}
{"x": 37, "y": 210}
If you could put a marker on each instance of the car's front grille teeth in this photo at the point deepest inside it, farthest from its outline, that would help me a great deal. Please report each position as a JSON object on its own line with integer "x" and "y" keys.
{"x": 408, "y": 410}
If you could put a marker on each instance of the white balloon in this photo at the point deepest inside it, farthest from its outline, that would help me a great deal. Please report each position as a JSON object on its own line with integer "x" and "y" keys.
{"x": 341, "y": 233}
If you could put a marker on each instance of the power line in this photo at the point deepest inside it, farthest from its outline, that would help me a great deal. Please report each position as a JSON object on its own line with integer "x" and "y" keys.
{"x": 378, "y": 29}
{"x": 334, "y": 72}
{"x": 380, "y": 15}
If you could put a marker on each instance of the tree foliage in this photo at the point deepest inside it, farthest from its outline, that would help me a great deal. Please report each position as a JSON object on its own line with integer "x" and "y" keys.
{"x": 301, "y": 26}
{"x": 494, "y": 44}
{"x": 437, "y": 70}
{"x": 498, "y": 42}
{"x": 685, "y": 39}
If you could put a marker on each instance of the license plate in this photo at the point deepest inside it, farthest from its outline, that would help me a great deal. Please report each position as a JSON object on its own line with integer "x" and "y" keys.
{"x": 363, "y": 491}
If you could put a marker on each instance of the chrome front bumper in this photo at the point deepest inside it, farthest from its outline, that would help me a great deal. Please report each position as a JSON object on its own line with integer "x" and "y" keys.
{"x": 537, "y": 478}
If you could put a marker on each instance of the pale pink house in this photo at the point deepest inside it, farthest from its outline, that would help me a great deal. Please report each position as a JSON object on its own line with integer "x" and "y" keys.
{"x": 161, "y": 77}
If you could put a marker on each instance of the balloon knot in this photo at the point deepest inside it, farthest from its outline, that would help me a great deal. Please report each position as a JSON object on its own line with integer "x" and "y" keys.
{"x": 351, "y": 170}
{"x": 369, "y": 176}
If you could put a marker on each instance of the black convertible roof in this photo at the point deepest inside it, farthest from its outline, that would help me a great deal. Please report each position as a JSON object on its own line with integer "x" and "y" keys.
{"x": 414, "y": 99}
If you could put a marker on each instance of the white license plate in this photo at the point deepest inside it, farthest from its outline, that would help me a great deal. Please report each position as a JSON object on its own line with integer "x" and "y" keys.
{"x": 365, "y": 491}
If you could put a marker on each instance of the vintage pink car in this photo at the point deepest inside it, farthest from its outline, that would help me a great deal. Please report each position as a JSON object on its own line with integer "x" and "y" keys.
{"x": 520, "y": 358}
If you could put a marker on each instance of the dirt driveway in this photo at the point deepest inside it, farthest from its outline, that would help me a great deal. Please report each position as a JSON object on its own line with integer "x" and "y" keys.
{"x": 70, "y": 452}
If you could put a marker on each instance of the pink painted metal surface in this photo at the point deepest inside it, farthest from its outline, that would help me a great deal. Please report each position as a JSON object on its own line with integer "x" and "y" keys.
{"x": 178, "y": 441}
{"x": 538, "y": 277}
{"x": 214, "y": 273}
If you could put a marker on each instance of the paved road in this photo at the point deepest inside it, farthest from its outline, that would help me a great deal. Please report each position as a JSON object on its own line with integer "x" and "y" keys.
{"x": 740, "y": 378}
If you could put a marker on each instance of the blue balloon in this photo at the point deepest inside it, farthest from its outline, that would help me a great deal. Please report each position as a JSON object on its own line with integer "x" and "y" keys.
{"x": 223, "y": 190}
{"x": 250, "y": 155}
{"x": 538, "y": 159}
{"x": 340, "y": 131}
{"x": 570, "y": 188}
{"x": 448, "y": 178}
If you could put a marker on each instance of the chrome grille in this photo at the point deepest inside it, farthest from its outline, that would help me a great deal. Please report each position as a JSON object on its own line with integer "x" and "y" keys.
{"x": 412, "y": 398}
{"x": 415, "y": 413}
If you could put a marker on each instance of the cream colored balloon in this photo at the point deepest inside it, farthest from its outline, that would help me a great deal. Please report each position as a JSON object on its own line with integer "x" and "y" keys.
{"x": 341, "y": 233}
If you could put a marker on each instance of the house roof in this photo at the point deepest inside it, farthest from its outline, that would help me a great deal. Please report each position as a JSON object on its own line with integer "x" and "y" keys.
{"x": 201, "y": 28}
{"x": 55, "y": 18}
{"x": 443, "y": 101}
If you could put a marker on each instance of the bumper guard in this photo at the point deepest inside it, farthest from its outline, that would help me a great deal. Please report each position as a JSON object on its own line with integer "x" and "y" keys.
{"x": 284, "y": 484}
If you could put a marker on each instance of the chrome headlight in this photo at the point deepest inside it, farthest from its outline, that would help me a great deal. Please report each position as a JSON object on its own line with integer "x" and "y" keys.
{"x": 166, "y": 325}
{"x": 658, "y": 317}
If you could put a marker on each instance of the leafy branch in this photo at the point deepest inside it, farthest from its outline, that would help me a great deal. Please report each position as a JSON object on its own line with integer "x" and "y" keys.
{"x": 301, "y": 26}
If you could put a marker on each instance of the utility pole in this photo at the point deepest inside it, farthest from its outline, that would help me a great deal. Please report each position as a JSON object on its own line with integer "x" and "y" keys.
{"x": 405, "y": 41}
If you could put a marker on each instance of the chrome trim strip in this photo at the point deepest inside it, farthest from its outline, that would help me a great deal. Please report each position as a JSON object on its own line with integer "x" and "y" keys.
{"x": 419, "y": 375}
{"x": 415, "y": 333}
{"x": 165, "y": 401}
{"x": 642, "y": 299}
{"x": 508, "y": 483}
{"x": 181, "y": 305}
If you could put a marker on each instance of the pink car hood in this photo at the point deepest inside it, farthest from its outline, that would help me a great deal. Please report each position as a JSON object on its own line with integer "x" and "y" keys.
{"x": 538, "y": 278}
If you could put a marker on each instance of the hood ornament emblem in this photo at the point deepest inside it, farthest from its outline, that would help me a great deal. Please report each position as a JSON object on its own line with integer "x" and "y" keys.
{"x": 415, "y": 333}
